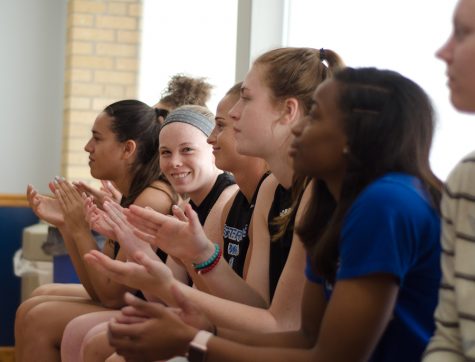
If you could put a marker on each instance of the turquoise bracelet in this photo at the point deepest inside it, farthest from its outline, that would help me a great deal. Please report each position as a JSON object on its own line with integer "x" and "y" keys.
{"x": 209, "y": 261}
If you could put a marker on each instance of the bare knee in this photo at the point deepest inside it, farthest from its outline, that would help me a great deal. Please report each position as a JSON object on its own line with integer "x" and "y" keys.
{"x": 39, "y": 339}
{"x": 24, "y": 308}
{"x": 36, "y": 323}
{"x": 58, "y": 289}
{"x": 96, "y": 347}
{"x": 115, "y": 358}
{"x": 45, "y": 289}
{"x": 71, "y": 341}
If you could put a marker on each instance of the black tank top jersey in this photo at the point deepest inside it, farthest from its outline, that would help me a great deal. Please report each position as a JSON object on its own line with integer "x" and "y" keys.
{"x": 224, "y": 180}
{"x": 279, "y": 249}
{"x": 236, "y": 227}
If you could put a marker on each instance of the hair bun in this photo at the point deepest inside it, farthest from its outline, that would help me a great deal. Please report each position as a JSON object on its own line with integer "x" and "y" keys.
{"x": 161, "y": 112}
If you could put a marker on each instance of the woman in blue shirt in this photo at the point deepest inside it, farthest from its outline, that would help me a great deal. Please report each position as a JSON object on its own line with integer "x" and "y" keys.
{"x": 372, "y": 235}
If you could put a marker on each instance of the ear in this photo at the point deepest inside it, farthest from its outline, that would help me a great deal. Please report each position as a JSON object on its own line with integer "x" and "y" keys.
{"x": 129, "y": 149}
{"x": 291, "y": 111}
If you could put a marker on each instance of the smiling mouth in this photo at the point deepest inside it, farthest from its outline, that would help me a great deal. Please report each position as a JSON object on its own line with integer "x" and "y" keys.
{"x": 180, "y": 175}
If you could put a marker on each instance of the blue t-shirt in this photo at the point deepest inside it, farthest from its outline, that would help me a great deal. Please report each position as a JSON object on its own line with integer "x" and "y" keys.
{"x": 392, "y": 228}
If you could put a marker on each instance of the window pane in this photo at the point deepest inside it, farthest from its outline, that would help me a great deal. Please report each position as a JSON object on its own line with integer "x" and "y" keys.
{"x": 401, "y": 35}
{"x": 197, "y": 38}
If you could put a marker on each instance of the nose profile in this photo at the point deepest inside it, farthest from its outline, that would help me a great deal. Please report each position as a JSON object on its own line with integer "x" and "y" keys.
{"x": 445, "y": 52}
{"x": 88, "y": 147}
{"x": 212, "y": 137}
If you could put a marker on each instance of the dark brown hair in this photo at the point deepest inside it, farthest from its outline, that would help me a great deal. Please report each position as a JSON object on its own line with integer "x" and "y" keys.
{"x": 389, "y": 124}
{"x": 134, "y": 120}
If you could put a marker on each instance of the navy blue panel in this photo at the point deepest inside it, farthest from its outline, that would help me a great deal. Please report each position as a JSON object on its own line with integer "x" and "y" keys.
{"x": 63, "y": 270}
{"x": 12, "y": 222}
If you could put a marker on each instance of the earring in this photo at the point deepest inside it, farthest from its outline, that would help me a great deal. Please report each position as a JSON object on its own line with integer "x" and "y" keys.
{"x": 345, "y": 150}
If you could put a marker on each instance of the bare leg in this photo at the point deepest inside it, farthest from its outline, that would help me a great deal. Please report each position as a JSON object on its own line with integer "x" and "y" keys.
{"x": 80, "y": 329}
{"x": 115, "y": 358}
{"x": 73, "y": 290}
{"x": 29, "y": 304}
{"x": 43, "y": 327}
{"x": 96, "y": 347}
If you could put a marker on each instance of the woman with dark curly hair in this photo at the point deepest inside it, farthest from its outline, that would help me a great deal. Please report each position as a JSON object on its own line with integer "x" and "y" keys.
{"x": 182, "y": 90}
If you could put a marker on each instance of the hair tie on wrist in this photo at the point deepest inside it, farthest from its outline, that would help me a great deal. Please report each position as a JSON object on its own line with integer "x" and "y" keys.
{"x": 208, "y": 265}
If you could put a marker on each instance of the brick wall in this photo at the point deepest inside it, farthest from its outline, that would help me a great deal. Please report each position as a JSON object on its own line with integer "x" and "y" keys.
{"x": 101, "y": 67}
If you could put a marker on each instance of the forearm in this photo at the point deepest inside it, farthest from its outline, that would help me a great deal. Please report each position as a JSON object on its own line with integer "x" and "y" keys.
{"x": 288, "y": 339}
{"x": 224, "y": 283}
{"x": 222, "y": 312}
{"x": 77, "y": 262}
{"x": 108, "y": 292}
{"x": 223, "y": 350}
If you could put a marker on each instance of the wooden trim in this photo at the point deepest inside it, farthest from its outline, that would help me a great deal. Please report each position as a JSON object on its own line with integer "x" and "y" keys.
{"x": 7, "y": 354}
{"x": 13, "y": 200}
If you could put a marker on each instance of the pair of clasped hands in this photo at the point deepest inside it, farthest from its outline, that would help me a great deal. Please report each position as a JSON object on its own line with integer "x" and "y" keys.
{"x": 72, "y": 203}
{"x": 76, "y": 205}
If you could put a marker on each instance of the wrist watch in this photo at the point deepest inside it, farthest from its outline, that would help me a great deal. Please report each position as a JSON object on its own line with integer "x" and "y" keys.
{"x": 197, "y": 348}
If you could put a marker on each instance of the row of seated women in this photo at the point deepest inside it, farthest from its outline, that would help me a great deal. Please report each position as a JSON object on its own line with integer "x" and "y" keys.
{"x": 302, "y": 217}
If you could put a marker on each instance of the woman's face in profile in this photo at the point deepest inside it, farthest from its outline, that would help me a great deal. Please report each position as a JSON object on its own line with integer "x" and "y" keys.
{"x": 320, "y": 143}
{"x": 255, "y": 115}
{"x": 459, "y": 54}
{"x": 105, "y": 151}
{"x": 222, "y": 138}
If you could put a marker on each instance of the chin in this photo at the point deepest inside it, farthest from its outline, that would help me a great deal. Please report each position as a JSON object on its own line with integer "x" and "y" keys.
{"x": 299, "y": 168}
{"x": 463, "y": 104}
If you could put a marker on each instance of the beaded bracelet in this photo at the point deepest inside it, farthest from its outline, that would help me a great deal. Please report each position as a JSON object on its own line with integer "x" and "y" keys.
{"x": 210, "y": 261}
{"x": 212, "y": 265}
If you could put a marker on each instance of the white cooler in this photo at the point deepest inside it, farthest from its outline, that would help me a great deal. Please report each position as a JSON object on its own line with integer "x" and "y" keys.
{"x": 38, "y": 265}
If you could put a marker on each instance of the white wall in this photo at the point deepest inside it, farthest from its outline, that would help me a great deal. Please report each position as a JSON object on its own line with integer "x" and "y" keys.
{"x": 32, "y": 42}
